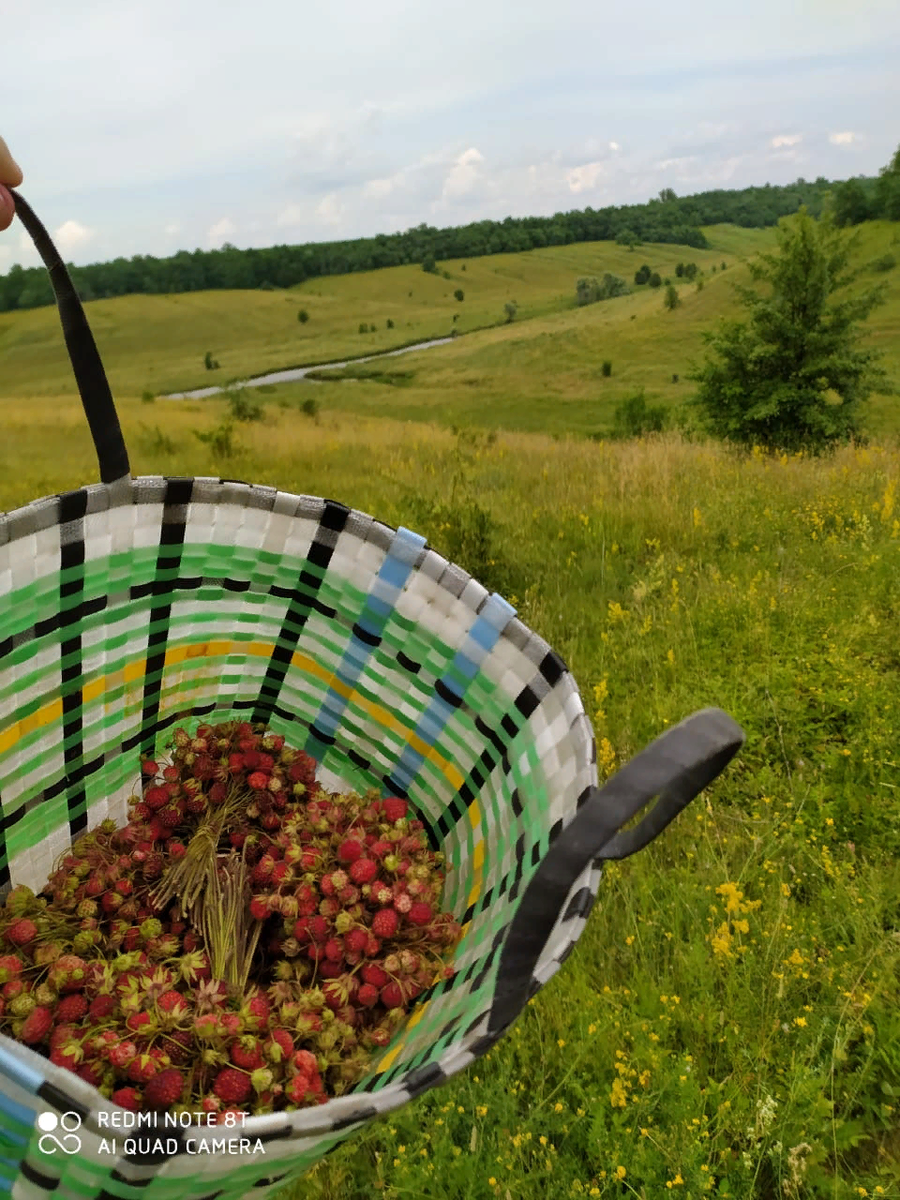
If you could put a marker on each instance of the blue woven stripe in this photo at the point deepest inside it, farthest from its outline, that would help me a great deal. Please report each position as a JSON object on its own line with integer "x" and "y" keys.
{"x": 25, "y": 1116}
{"x": 479, "y": 643}
{"x": 25, "y": 1077}
{"x": 380, "y": 603}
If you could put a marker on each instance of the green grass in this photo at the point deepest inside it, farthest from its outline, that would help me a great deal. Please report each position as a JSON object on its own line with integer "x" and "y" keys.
{"x": 542, "y": 372}
{"x": 728, "y": 1024}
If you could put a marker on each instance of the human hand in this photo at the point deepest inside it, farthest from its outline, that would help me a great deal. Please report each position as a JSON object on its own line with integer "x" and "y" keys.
{"x": 11, "y": 175}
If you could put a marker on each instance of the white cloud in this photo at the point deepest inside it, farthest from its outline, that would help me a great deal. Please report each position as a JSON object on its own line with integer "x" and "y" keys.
{"x": 329, "y": 210}
{"x": 221, "y": 231}
{"x": 585, "y": 177}
{"x": 842, "y": 139}
{"x": 614, "y": 146}
{"x": 294, "y": 214}
{"x": 71, "y": 236}
{"x": 786, "y": 139}
{"x": 463, "y": 175}
{"x": 172, "y": 228}
{"x": 377, "y": 189}
{"x": 680, "y": 163}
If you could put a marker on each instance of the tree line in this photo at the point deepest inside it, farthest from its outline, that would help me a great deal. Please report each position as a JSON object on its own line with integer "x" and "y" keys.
{"x": 665, "y": 219}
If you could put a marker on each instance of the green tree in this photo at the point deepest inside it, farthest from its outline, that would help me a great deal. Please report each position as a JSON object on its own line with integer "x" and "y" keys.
{"x": 851, "y": 204}
{"x": 429, "y": 265}
{"x": 671, "y": 299}
{"x": 627, "y": 237}
{"x": 690, "y": 270}
{"x": 302, "y": 316}
{"x": 642, "y": 274}
{"x": 510, "y": 309}
{"x": 655, "y": 280}
{"x": 887, "y": 190}
{"x": 794, "y": 375}
{"x": 459, "y": 294}
{"x": 679, "y": 270}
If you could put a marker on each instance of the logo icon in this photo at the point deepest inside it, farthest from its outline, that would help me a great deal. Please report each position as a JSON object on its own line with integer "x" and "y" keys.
{"x": 68, "y": 1141}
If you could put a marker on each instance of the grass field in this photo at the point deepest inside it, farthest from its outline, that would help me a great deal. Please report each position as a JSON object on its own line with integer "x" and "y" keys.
{"x": 541, "y": 372}
{"x": 729, "y": 1024}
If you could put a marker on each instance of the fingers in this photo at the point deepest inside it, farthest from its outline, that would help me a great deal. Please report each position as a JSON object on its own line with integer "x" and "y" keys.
{"x": 10, "y": 171}
{"x": 7, "y": 208}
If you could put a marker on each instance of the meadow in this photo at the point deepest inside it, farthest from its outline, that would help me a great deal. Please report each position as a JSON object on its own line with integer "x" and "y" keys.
{"x": 729, "y": 1024}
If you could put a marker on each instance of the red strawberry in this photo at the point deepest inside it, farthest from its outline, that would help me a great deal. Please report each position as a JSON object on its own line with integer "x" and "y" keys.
{"x": 350, "y": 850}
{"x": 232, "y": 1086}
{"x": 392, "y": 996}
{"x": 280, "y": 1045}
{"x": 374, "y": 974}
{"x": 21, "y": 932}
{"x": 368, "y": 995}
{"x": 246, "y": 1053}
{"x": 10, "y": 966}
{"x": 174, "y": 1003}
{"x": 72, "y": 1008}
{"x": 384, "y": 923}
{"x": 121, "y": 1054}
{"x": 334, "y": 951}
{"x": 394, "y": 808}
{"x": 149, "y": 768}
{"x": 156, "y": 797}
{"x": 127, "y": 1097}
{"x": 142, "y": 1068}
{"x": 318, "y": 929}
{"x": 36, "y": 1025}
{"x": 258, "y": 1008}
{"x": 355, "y": 941}
{"x": 363, "y": 870}
{"x": 259, "y": 781}
{"x": 420, "y": 913}
{"x": 164, "y": 1089}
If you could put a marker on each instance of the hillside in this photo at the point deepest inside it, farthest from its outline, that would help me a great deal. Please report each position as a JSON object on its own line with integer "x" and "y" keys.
{"x": 542, "y": 371}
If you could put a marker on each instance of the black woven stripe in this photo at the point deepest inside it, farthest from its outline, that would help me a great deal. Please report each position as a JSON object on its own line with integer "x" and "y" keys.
{"x": 47, "y": 1182}
{"x": 408, "y": 664}
{"x": 552, "y": 668}
{"x": 72, "y": 508}
{"x": 171, "y": 541}
{"x": 333, "y": 519}
{"x": 580, "y": 905}
{"x": 61, "y": 1100}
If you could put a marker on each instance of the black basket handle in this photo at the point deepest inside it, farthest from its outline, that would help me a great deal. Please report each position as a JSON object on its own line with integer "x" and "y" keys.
{"x": 89, "y": 374}
{"x": 676, "y": 767}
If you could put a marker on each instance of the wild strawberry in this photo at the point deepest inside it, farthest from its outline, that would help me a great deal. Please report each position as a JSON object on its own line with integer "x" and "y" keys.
{"x": 363, "y": 870}
{"x": 258, "y": 781}
{"x": 72, "y": 1008}
{"x": 394, "y": 808}
{"x": 318, "y": 929}
{"x": 392, "y": 995}
{"x": 334, "y": 951}
{"x": 260, "y": 907}
{"x": 355, "y": 941}
{"x": 232, "y": 1086}
{"x": 140, "y": 1022}
{"x": 350, "y": 850}
{"x": 257, "y": 1011}
{"x": 10, "y": 967}
{"x": 374, "y": 974}
{"x": 36, "y": 1025}
{"x": 246, "y": 1053}
{"x": 178, "y": 1047}
{"x": 68, "y": 973}
{"x": 368, "y": 995}
{"x": 127, "y": 1097}
{"x": 142, "y": 1068}
{"x": 21, "y": 932}
{"x": 420, "y": 913}
{"x": 384, "y": 923}
{"x": 173, "y": 1004}
{"x": 121, "y": 1054}
{"x": 156, "y": 797}
{"x": 92, "y": 1073}
{"x": 149, "y": 768}
{"x": 164, "y": 1089}
{"x": 279, "y": 1046}
{"x": 171, "y": 816}
{"x": 403, "y": 902}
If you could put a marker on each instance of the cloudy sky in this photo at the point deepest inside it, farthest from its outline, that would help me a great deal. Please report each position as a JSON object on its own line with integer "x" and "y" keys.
{"x": 145, "y": 128}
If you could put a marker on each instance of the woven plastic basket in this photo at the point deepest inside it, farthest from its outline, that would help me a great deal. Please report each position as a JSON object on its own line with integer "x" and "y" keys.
{"x": 138, "y": 603}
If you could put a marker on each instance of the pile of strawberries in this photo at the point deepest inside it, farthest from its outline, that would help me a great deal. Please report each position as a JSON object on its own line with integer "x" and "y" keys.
{"x": 323, "y": 930}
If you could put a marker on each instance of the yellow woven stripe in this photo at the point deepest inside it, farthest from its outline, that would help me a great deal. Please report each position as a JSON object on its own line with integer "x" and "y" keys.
{"x": 134, "y": 671}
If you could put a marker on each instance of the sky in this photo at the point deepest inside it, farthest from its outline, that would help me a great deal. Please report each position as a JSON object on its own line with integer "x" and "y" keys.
{"x": 146, "y": 128}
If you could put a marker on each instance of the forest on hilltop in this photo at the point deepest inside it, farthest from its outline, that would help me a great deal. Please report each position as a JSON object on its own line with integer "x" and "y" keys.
{"x": 667, "y": 219}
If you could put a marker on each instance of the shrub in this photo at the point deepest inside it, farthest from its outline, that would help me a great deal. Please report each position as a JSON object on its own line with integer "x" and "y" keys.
{"x": 634, "y": 417}
{"x": 456, "y": 316}
{"x": 429, "y": 266}
{"x": 363, "y": 327}
{"x": 265, "y": 286}
{"x": 887, "y": 262}
{"x": 724, "y": 265}
{"x": 302, "y": 316}
{"x": 587, "y": 291}
{"x": 154, "y": 441}
{"x": 667, "y": 281}
{"x": 446, "y": 274}
{"x": 209, "y": 362}
{"x": 463, "y": 267}
{"x": 389, "y": 324}
{"x": 674, "y": 378}
{"x": 671, "y": 299}
{"x": 690, "y": 270}
{"x": 655, "y": 280}
{"x": 679, "y": 270}
{"x": 147, "y": 398}
{"x": 244, "y": 407}
{"x": 510, "y": 309}
{"x": 310, "y": 407}
{"x": 459, "y": 294}
{"x": 700, "y": 284}
{"x": 220, "y": 440}
{"x": 606, "y": 369}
